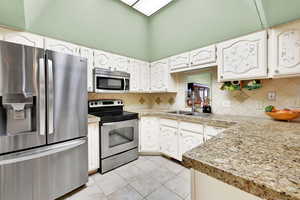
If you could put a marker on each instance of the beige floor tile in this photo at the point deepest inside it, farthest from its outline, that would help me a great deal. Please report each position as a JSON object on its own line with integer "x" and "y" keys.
{"x": 162, "y": 174}
{"x": 126, "y": 193}
{"x": 145, "y": 184}
{"x": 163, "y": 194}
{"x": 146, "y": 165}
{"x": 129, "y": 173}
{"x": 110, "y": 183}
{"x": 180, "y": 186}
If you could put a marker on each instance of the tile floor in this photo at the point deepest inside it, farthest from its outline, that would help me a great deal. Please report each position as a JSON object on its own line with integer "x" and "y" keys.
{"x": 148, "y": 178}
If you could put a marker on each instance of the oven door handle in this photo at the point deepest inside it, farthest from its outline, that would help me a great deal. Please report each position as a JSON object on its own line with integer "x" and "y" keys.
{"x": 109, "y": 124}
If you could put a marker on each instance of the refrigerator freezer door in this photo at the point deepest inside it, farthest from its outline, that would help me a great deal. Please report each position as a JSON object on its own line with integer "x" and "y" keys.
{"x": 22, "y": 97}
{"x": 66, "y": 96}
{"x": 44, "y": 173}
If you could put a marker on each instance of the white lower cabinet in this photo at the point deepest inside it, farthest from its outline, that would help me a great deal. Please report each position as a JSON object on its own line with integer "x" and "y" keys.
{"x": 212, "y": 131}
{"x": 93, "y": 146}
{"x": 168, "y": 139}
{"x": 171, "y": 137}
{"x": 149, "y": 134}
{"x": 190, "y": 136}
{"x": 205, "y": 187}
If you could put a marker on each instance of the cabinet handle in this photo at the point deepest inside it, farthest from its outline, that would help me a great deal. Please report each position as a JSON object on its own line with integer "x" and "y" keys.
{"x": 276, "y": 71}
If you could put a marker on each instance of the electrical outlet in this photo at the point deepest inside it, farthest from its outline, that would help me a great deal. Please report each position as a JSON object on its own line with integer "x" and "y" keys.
{"x": 226, "y": 104}
{"x": 272, "y": 96}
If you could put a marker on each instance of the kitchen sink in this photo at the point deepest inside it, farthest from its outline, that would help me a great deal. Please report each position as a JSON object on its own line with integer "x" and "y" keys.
{"x": 181, "y": 112}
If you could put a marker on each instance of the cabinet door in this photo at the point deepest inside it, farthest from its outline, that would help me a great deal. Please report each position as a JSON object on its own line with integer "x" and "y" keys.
{"x": 103, "y": 59}
{"x": 203, "y": 56}
{"x": 285, "y": 50}
{"x": 179, "y": 62}
{"x": 60, "y": 46}
{"x": 144, "y": 77}
{"x": 134, "y": 70}
{"x": 121, "y": 63}
{"x": 93, "y": 144}
{"x": 169, "y": 141}
{"x": 89, "y": 55}
{"x": 149, "y": 134}
{"x": 243, "y": 58}
{"x": 159, "y": 74}
{"x": 189, "y": 140}
{"x": 211, "y": 131}
{"x": 24, "y": 39}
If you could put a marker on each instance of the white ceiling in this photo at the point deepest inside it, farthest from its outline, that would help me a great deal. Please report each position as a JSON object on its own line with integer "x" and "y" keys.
{"x": 147, "y": 7}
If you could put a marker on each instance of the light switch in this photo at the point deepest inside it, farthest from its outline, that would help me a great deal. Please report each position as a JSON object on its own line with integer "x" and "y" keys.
{"x": 272, "y": 96}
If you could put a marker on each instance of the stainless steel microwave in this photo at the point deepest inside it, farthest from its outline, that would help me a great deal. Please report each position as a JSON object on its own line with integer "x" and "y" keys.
{"x": 111, "y": 81}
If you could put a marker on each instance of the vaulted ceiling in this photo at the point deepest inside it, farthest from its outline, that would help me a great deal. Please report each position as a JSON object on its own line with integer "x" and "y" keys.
{"x": 180, "y": 26}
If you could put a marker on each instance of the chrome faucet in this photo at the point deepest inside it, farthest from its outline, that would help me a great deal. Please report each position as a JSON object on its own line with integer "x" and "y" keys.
{"x": 193, "y": 102}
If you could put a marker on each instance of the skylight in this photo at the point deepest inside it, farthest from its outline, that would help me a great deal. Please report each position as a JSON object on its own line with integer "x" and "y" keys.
{"x": 147, "y": 7}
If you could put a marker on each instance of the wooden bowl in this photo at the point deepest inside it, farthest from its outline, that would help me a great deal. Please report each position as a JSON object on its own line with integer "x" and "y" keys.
{"x": 284, "y": 115}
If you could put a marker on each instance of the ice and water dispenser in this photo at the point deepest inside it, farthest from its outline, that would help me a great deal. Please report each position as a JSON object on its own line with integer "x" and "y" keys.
{"x": 17, "y": 89}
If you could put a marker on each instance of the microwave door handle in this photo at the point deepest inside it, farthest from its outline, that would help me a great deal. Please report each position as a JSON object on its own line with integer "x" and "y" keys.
{"x": 42, "y": 97}
{"x": 50, "y": 98}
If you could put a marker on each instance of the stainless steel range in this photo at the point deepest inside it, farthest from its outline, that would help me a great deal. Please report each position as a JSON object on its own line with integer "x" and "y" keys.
{"x": 118, "y": 133}
{"x": 43, "y": 123}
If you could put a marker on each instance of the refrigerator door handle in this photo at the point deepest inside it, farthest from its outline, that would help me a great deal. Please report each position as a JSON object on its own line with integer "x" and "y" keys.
{"x": 41, "y": 152}
{"x": 42, "y": 97}
{"x": 50, "y": 98}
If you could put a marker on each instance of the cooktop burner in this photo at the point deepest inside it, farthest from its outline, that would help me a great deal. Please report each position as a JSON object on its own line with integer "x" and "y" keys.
{"x": 110, "y": 110}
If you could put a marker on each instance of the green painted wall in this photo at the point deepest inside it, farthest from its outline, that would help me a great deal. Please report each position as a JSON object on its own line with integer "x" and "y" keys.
{"x": 112, "y": 26}
{"x": 103, "y": 24}
{"x": 12, "y": 13}
{"x": 280, "y": 11}
{"x": 186, "y": 25}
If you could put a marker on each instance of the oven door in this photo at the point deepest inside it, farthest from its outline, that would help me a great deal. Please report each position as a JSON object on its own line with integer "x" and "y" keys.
{"x": 109, "y": 83}
{"x": 117, "y": 137}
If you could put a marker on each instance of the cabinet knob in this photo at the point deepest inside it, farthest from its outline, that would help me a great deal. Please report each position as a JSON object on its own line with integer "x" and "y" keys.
{"x": 276, "y": 71}
{"x": 222, "y": 76}
{"x": 192, "y": 63}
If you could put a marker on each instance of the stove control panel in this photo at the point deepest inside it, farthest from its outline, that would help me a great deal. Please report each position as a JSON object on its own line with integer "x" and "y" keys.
{"x": 105, "y": 103}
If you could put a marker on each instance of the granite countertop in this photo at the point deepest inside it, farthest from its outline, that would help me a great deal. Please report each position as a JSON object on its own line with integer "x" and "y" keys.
{"x": 262, "y": 158}
{"x": 257, "y": 155}
{"x": 93, "y": 119}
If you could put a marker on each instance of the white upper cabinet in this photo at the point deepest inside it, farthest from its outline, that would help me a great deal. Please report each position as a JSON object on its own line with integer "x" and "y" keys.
{"x": 89, "y": 55}
{"x": 144, "y": 76}
{"x": 284, "y": 51}
{"x": 121, "y": 63}
{"x": 134, "y": 70}
{"x": 103, "y": 59}
{"x": 60, "y": 46}
{"x": 204, "y": 56}
{"x": 179, "y": 62}
{"x": 23, "y": 38}
{"x": 161, "y": 80}
{"x": 243, "y": 58}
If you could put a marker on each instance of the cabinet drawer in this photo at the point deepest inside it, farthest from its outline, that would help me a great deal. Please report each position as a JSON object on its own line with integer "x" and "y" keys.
{"x": 169, "y": 122}
{"x": 192, "y": 127}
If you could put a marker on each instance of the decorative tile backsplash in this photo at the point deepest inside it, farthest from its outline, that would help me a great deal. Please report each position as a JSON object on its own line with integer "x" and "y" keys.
{"x": 245, "y": 103}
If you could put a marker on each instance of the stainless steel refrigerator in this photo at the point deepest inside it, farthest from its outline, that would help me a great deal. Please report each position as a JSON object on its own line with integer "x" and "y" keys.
{"x": 43, "y": 123}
